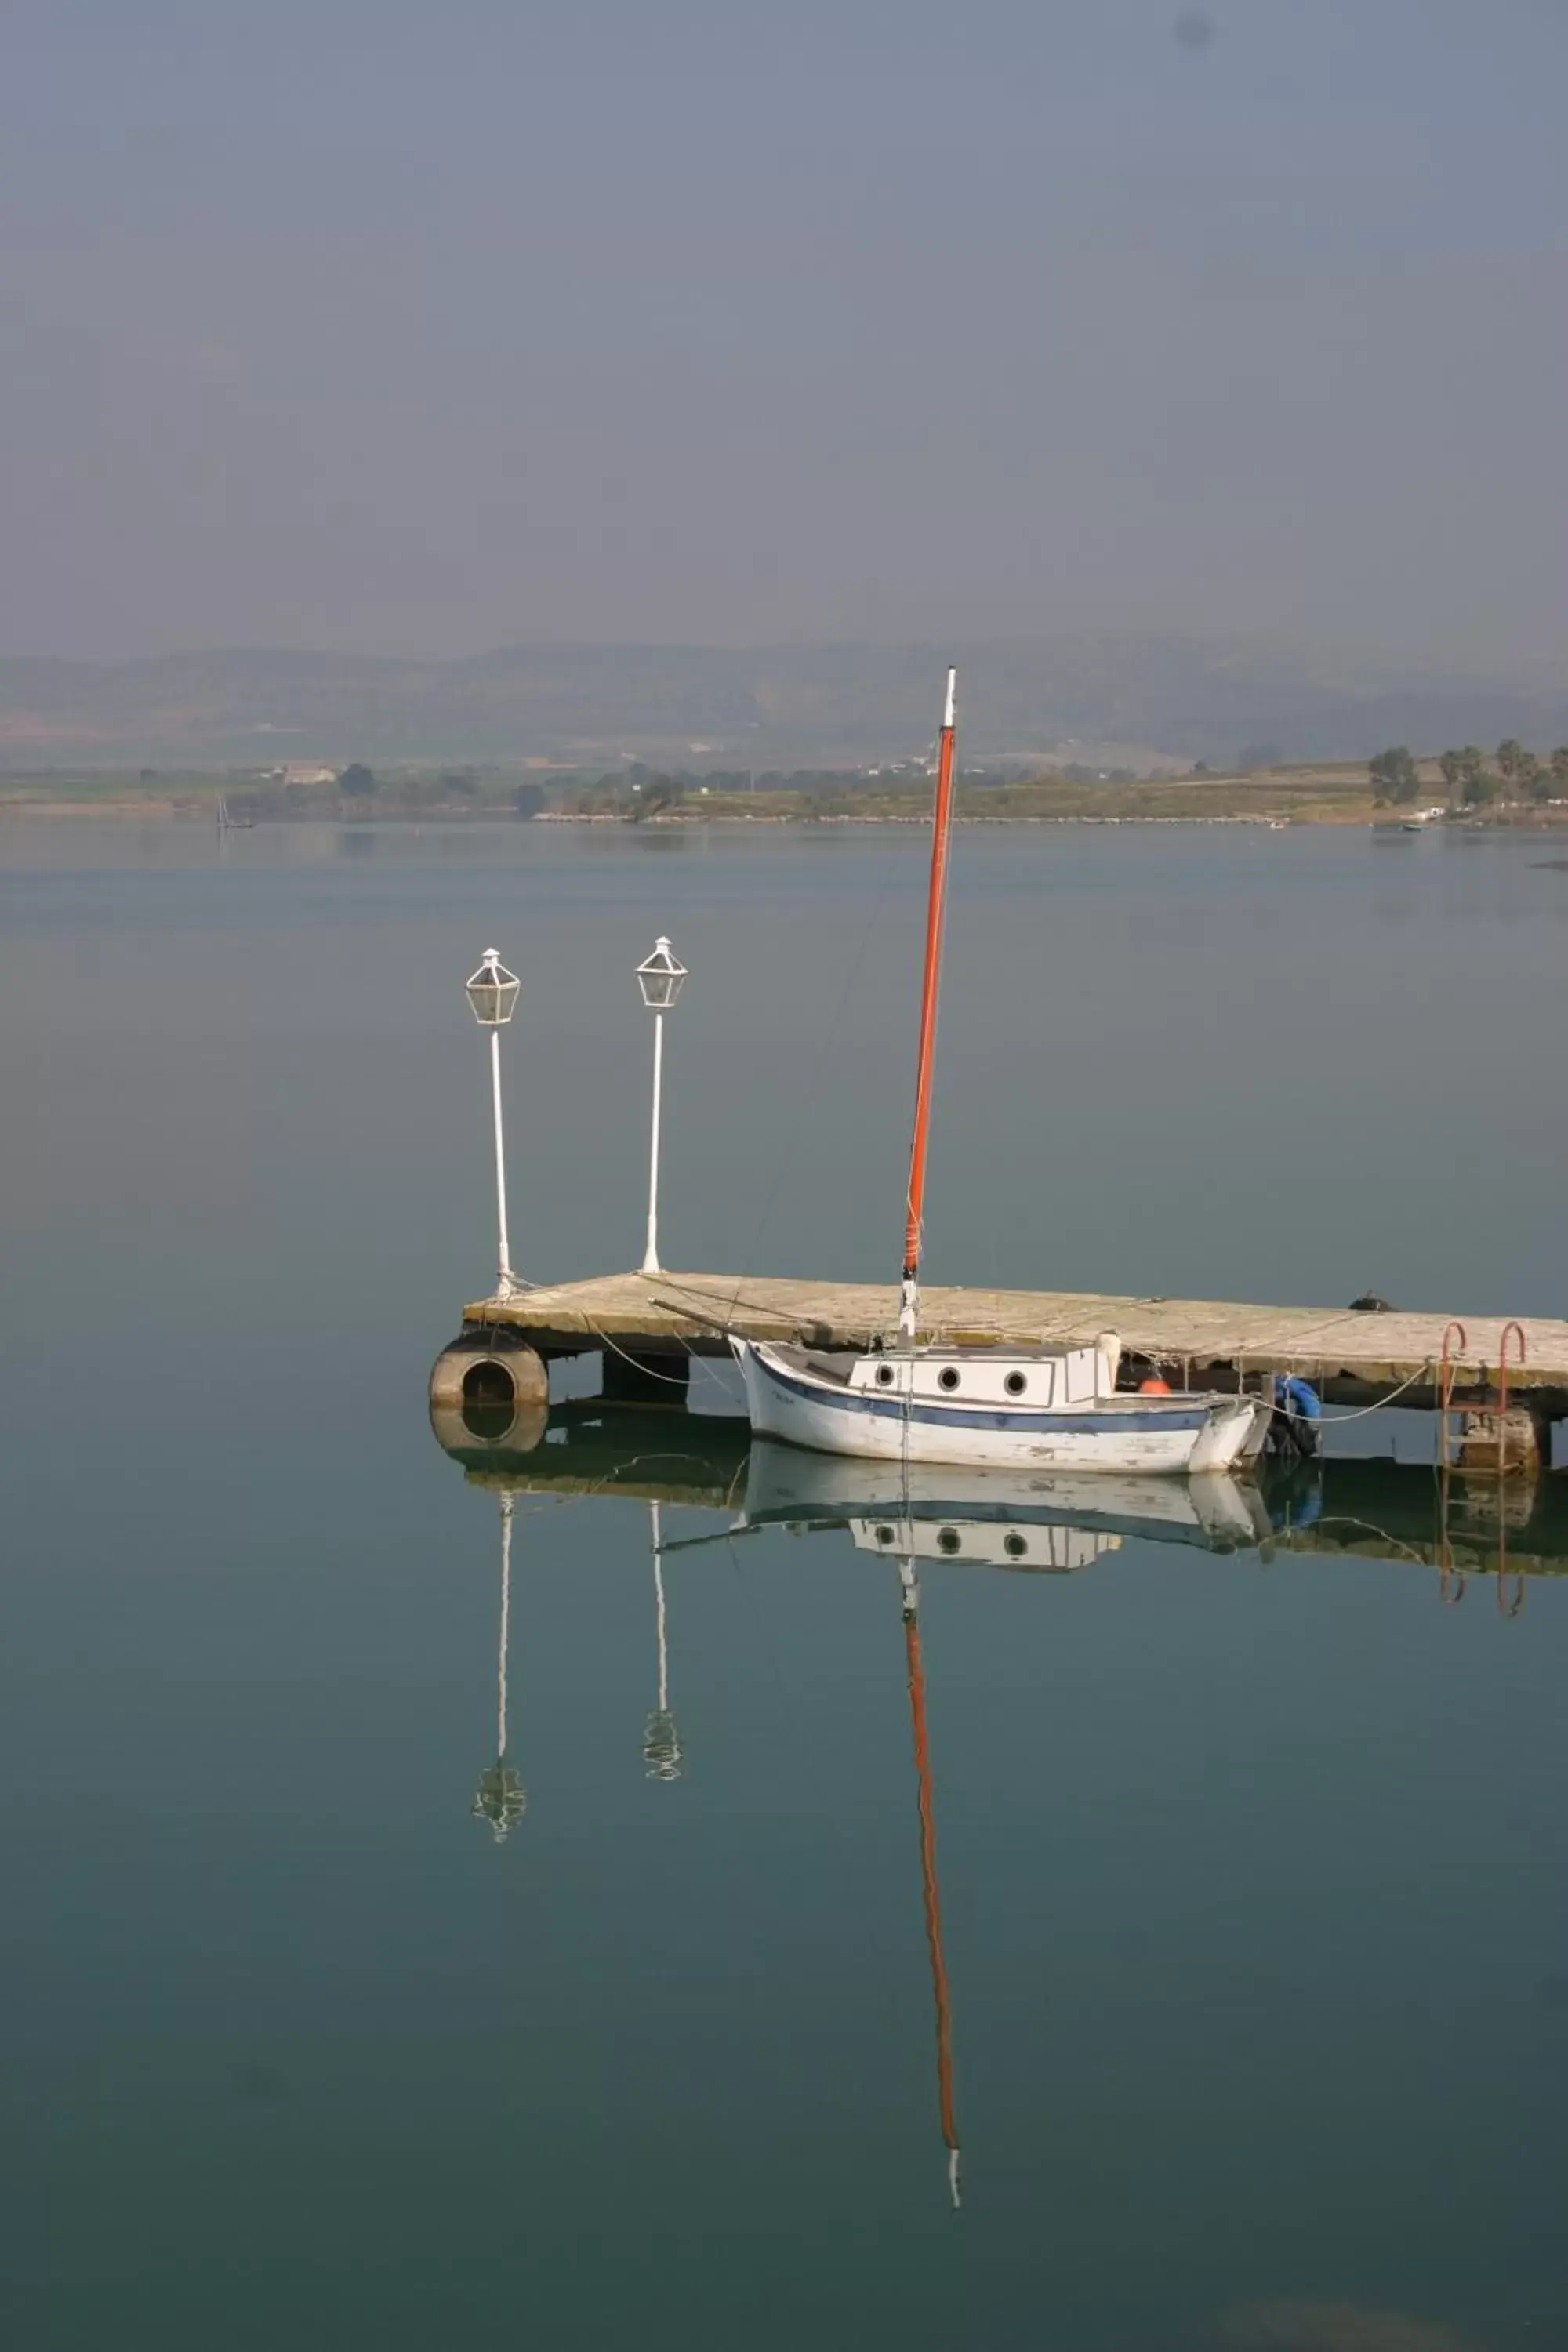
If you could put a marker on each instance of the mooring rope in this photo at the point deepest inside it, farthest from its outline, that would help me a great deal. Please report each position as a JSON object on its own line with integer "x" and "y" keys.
{"x": 1361, "y": 1412}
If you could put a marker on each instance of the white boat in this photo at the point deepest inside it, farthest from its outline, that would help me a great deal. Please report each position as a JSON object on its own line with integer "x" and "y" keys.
{"x": 994, "y": 1407}
{"x": 1051, "y": 1407}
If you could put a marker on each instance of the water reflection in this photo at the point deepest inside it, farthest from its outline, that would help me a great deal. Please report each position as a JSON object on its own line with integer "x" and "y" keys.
{"x": 938, "y": 1520}
{"x": 1377, "y": 1510}
{"x": 930, "y": 1519}
{"x": 707, "y": 1461}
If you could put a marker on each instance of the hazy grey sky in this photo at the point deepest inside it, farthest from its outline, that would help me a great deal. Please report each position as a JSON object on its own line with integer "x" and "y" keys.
{"x": 429, "y": 325}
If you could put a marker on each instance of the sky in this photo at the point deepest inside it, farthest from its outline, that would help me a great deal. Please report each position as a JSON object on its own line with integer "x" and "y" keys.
{"x": 370, "y": 326}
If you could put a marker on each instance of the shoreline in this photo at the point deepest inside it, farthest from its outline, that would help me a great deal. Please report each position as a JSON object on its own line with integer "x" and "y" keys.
{"x": 164, "y": 808}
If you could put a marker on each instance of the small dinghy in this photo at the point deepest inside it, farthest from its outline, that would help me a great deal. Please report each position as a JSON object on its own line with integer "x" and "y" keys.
{"x": 996, "y": 1407}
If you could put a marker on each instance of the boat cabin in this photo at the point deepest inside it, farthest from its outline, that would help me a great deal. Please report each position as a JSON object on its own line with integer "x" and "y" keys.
{"x": 1045, "y": 1378}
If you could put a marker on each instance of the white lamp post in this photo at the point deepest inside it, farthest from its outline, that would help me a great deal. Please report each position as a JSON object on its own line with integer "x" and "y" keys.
{"x": 492, "y": 993}
{"x": 661, "y": 980}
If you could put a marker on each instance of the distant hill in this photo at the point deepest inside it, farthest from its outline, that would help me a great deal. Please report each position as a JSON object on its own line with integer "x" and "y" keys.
{"x": 1185, "y": 698}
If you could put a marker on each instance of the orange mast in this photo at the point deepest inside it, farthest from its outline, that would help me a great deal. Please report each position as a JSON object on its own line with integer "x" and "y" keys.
{"x": 930, "y": 1892}
{"x": 936, "y": 908}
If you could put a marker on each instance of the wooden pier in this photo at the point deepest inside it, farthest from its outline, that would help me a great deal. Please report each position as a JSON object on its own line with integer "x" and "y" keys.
{"x": 649, "y": 1327}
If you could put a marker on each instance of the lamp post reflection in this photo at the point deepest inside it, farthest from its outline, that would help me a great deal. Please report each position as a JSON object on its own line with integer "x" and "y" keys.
{"x": 501, "y": 1798}
{"x": 661, "y": 1741}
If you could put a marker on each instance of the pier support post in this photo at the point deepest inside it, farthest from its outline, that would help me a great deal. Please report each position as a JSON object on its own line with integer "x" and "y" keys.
{"x": 1507, "y": 1443}
{"x": 653, "y": 1378}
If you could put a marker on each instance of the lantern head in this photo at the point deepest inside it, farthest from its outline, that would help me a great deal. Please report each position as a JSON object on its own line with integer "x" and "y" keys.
{"x": 493, "y": 991}
{"x": 661, "y": 978}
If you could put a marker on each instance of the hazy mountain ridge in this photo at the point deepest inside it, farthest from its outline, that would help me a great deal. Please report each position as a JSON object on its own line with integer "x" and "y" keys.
{"x": 1185, "y": 696}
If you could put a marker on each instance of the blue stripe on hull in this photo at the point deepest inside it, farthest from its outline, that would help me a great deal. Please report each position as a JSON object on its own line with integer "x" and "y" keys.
{"x": 1136, "y": 1420}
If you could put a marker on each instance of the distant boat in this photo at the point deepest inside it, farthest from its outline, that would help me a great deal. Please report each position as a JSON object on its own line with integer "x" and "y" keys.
{"x": 998, "y": 1407}
{"x": 226, "y": 823}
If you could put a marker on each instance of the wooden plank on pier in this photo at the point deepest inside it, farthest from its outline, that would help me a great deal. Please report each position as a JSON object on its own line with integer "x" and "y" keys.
{"x": 1350, "y": 1357}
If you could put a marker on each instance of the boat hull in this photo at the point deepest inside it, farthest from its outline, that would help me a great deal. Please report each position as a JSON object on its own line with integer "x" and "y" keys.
{"x": 1168, "y": 1436}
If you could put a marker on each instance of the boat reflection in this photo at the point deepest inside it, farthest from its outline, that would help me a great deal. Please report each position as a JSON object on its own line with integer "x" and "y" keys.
{"x": 1050, "y": 1520}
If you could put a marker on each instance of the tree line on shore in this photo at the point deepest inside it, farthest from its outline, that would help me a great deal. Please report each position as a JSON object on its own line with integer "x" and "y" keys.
{"x": 357, "y": 786}
{"x": 1514, "y": 773}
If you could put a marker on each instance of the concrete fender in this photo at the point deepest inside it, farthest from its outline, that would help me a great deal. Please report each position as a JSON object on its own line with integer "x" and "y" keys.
{"x": 477, "y": 1368}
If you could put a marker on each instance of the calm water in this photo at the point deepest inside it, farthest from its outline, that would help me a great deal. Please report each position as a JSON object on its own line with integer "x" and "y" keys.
{"x": 1253, "y": 1911}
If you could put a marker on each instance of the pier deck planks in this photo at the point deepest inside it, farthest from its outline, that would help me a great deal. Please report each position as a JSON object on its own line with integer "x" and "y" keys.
{"x": 1351, "y": 1358}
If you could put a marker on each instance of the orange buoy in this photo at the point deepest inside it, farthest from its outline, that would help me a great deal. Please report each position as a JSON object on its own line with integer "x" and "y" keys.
{"x": 1154, "y": 1387}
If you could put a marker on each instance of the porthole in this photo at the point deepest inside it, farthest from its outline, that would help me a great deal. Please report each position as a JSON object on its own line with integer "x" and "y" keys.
{"x": 884, "y": 1376}
{"x": 948, "y": 1377}
{"x": 1016, "y": 1383}
{"x": 884, "y": 1535}
{"x": 948, "y": 1539}
{"x": 1015, "y": 1546}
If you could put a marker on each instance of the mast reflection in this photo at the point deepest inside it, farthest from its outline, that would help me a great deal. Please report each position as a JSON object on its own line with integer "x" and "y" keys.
{"x": 930, "y": 1892}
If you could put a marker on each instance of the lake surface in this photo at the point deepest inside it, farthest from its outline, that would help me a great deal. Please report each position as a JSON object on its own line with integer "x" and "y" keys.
{"x": 1252, "y": 1915}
